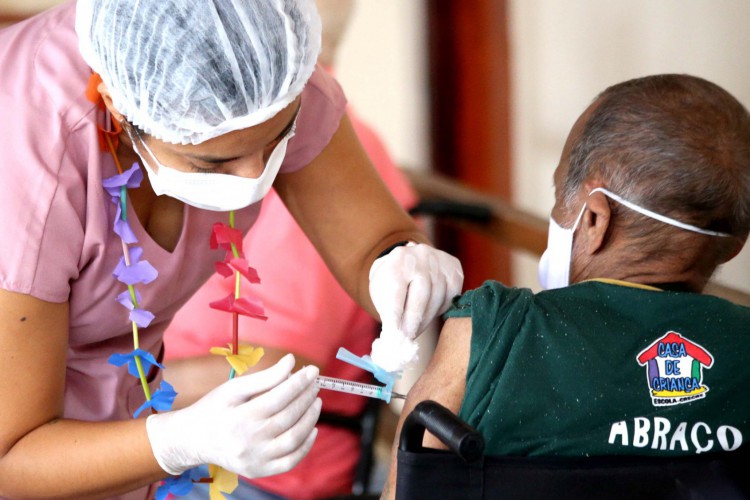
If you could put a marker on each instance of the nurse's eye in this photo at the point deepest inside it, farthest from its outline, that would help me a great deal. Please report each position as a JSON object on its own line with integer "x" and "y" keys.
{"x": 202, "y": 170}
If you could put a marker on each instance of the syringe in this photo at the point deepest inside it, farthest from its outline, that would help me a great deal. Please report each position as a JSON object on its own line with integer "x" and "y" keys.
{"x": 358, "y": 388}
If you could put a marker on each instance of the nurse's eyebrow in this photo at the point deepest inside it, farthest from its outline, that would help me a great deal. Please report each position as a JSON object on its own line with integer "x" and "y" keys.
{"x": 212, "y": 159}
{"x": 220, "y": 159}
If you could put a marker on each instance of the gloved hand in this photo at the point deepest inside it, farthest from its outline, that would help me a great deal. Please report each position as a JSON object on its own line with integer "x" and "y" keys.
{"x": 409, "y": 287}
{"x": 241, "y": 427}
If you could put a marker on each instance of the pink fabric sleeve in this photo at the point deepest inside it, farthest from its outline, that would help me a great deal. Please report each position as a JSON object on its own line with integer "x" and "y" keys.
{"x": 323, "y": 105}
{"x": 43, "y": 191}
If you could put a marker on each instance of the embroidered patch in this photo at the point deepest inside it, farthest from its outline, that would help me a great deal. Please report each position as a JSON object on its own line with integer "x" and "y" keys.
{"x": 675, "y": 370}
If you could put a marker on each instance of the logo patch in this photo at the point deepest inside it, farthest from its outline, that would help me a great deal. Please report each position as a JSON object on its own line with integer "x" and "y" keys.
{"x": 675, "y": 370}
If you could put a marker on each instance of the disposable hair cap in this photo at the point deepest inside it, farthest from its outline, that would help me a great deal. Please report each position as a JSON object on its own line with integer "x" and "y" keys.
{"x": 186, "y": 71}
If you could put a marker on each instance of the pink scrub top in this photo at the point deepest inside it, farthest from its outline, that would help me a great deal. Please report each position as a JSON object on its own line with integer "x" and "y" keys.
{"x": 56, "y": 219}
{"x": 309, "y": 314}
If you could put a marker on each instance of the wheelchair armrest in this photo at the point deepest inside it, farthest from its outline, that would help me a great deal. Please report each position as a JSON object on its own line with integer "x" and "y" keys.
{"x": 461, "y": 438}
{"x": 472, "y": 212}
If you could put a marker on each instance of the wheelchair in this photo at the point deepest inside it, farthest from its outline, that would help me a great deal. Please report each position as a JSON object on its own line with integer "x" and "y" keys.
{"x": 465, "y": 473}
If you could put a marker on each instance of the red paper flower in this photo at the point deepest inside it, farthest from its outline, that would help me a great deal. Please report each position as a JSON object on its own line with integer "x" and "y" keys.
{"x": 244, "y": 306}
{"x": 224, "y": 237}
{"x": 230, "y": 264}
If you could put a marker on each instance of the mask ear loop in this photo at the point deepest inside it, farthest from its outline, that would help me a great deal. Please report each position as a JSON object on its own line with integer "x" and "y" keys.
{"x": 659, "y": 217}
{"x": 578, "y": 219}
{"x": 127, "y": 126}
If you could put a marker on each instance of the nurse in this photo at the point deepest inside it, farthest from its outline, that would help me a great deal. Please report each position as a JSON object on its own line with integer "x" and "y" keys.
{"x": 128, "y": 127}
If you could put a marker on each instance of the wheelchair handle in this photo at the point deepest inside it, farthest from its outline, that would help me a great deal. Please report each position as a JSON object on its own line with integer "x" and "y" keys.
{"x": 460, "y": 437}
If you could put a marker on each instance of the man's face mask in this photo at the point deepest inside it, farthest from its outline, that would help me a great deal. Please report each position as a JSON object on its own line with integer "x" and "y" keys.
{"x": 210, "y": 191}
{"x": 554, "y": 266}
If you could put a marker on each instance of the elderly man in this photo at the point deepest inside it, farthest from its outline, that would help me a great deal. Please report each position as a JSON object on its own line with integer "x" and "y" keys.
{"x": 622, "y": 355}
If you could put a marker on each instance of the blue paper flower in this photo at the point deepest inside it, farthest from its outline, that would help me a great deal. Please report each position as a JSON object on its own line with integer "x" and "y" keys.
{"x": 161, "y": 400}
{"x": 141, "y": 317}
{"x": 138, "y": 271}
{"x": 147, "y": 361}
{"x": 178, "y": 485}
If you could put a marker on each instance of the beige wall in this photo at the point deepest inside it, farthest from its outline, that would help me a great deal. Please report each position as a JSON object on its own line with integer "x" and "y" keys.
{"x": 564, "y": 53}
{"x": 383, "y": 68}
{"x": 24, "y": 6}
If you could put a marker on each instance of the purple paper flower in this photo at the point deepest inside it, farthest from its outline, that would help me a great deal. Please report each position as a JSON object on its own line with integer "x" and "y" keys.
{"x": 131, "y": 178}
{"x": 138, "y": 271}
{"x": 178, "y": 485}
{"x": 117, "y": 186}
{"x": 123, "y": 230}
{"x": 161, "y": 400}
{"x": 141, "y": 317}
{"x": 147, "y": 361}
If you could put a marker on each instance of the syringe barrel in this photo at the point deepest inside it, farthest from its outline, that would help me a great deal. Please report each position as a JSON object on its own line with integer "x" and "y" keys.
{"x": 350, "y": 387}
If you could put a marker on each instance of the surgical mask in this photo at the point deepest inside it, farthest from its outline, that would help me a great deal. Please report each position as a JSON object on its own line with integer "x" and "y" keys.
{"x": 211, "y": 191}
{"x": 554, "y": 266}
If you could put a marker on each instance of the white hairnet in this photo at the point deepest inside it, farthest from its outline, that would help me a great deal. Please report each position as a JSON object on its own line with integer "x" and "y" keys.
{"x": 186, "y": 71}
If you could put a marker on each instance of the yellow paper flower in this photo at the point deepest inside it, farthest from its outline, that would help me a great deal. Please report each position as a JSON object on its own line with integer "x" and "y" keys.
{"x": 223, "y": 482}
{"x": 247, "y": 356}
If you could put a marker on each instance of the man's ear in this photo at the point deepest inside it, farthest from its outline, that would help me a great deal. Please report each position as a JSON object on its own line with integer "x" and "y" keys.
{"x": 107, "y": 97}
{"x": 594, "y": 223}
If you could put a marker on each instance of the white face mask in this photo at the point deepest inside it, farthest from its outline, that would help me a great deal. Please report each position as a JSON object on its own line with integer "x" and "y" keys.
{"x": 554, "y": 266}
{"x": 210, "y": 191}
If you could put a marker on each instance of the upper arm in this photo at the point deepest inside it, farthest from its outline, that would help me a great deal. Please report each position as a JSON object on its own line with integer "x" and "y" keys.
{"x": 443, "y": 382}
{"x": 346, "y": 211}
{"x": 33, "y": 347}
{"x": 444, "y": 379}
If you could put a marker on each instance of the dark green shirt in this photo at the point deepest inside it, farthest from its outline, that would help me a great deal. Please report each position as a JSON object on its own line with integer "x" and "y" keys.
{"x": 603, "y": 369}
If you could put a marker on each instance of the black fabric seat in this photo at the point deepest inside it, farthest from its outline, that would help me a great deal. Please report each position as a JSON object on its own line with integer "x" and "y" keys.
{"x": 464, "y": 473}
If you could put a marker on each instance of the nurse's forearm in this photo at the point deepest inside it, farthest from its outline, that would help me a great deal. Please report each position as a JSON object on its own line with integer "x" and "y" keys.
{"x": 363, "y": 282}
{"x": 74, "y": 459}
{"x": 346, "y": 211}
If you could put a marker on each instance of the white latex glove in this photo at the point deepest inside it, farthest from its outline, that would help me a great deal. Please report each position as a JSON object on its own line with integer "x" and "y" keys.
{"x": 255, "y": 425}
{"x": 410, "y": 286}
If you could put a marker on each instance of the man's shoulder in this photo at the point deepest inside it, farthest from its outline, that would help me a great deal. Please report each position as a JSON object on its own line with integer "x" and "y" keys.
{"x": 490, "y": 296}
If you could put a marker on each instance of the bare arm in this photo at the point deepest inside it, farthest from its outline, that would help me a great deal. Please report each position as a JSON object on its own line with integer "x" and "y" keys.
{"x": 443, "y": 381}
{"x": 343, "y": 206}
{"x": 41, "y": 454}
